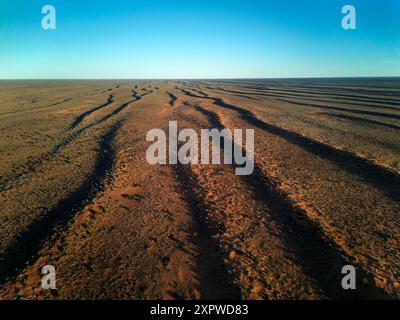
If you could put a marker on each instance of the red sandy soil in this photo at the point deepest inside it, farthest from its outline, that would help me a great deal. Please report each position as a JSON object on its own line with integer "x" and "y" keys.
{"x": 76, "y": 191}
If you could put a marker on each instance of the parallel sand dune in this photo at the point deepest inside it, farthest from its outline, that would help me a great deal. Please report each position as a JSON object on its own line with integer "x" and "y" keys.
{"x": 76, "y": 191}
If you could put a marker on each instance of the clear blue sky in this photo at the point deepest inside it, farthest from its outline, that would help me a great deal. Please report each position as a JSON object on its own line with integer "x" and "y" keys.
{"x": 198, "y": 39}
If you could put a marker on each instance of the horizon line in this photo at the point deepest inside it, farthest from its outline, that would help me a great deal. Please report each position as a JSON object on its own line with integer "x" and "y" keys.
{"x": 216, "y": 78}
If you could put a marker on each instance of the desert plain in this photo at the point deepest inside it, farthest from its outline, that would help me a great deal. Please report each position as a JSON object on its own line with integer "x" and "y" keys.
{"x": 77, "y": 193}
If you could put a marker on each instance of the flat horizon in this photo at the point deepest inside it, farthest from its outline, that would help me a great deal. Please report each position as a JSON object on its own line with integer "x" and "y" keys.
{"x": 197, "y": 79}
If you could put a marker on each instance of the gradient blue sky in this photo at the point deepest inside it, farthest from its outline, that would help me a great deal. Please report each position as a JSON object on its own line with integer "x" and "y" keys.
{"x": 198, "y": 39}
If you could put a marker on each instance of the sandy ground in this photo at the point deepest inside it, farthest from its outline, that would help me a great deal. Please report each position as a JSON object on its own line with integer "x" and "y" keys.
{"x": 76, "y": 191}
